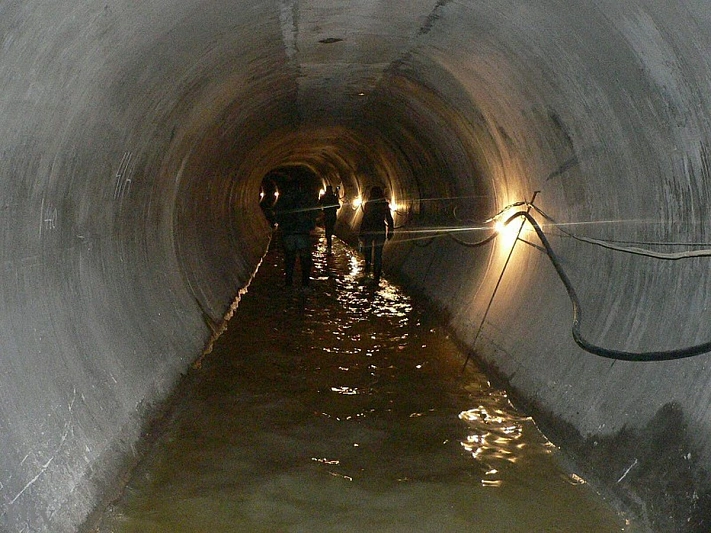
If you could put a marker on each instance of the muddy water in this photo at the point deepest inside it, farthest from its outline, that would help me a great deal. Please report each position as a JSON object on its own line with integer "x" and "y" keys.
{"x": 345, "y": 410}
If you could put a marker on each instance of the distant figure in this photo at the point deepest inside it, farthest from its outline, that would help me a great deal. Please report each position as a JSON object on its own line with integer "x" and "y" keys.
{"x": 377, "y": 226}
{"x": 330, "y": 204}
{"x": 295, "y": 215}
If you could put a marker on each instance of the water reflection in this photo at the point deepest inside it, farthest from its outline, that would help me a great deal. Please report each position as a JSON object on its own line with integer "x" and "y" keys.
{"x": 346, "y": 410}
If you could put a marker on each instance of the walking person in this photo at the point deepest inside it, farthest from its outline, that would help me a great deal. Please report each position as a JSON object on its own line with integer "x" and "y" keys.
{"x": 377, "y": 226}
{"x": 295, "y": 214}
{"x": 330, "y": 205}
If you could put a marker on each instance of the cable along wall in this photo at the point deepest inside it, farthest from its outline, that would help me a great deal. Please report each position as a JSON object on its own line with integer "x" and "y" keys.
{"x": 135, "y": 141}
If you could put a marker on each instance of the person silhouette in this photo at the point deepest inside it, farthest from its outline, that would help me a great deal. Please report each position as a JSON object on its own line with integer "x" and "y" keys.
{"x": 377, "y": 226}
{"x": 330, "y": 205}
{"x": 295, "y": 214}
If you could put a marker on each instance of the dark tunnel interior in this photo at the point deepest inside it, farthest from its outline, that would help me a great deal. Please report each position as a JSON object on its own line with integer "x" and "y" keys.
{"x": 138, "y": 138}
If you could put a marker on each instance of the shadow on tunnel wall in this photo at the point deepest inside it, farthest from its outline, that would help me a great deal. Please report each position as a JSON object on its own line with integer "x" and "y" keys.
{"x": 135, "y": 139}
{"x": 656, "y": 472}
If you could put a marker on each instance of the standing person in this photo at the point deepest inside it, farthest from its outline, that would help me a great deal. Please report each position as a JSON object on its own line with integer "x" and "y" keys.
{"x": 295, "y": 215}
{"x": 377, "y": 226}
{"x": 330, "y": 205}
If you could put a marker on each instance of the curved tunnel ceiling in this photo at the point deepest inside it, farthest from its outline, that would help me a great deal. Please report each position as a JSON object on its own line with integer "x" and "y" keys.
{"x": 136, "y": 135}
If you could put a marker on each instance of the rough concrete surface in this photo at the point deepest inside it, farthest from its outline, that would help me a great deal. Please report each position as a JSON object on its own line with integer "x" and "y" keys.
{"x": 135, "y": 136}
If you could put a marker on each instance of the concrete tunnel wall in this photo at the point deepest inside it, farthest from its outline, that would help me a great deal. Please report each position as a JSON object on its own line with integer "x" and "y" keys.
{"x": 135, "y": 136}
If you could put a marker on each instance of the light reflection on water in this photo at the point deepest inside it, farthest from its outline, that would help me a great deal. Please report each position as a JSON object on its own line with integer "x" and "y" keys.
{"x": 346, "y": 410}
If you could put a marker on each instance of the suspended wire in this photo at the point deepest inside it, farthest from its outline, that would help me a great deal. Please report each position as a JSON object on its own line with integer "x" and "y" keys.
{"x": 665, "y": 355}
{"x": 612, "y": 245}
{"x": 476, "y": 244}
{"x": 489, "y": 220}
{"x": 580, "y": 340}
{"x": 450, "y": 233}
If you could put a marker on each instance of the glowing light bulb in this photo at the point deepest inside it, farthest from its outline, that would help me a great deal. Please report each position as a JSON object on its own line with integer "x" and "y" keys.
{"x": 357, "y": 202}
{"x": 507, "y": 231}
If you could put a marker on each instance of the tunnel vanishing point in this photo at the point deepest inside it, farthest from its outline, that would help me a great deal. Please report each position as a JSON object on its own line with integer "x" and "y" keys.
{"x": 135, "y": 136}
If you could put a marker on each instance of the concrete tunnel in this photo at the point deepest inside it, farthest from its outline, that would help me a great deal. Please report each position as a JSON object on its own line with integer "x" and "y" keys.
{"x": 135, "y": 136}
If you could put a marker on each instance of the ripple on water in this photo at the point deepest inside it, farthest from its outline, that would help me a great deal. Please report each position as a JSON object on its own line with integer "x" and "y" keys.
{"x": 346, "y": 410}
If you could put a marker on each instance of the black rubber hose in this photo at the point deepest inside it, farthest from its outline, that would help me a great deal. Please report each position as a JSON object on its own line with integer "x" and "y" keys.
{"x": 430, "y": 240}
{"x": 482, "y": 242}
{"x": 667, "y": 355}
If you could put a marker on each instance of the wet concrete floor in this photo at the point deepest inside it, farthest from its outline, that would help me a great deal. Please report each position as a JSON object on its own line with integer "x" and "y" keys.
{"x": 346, "y": 410}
